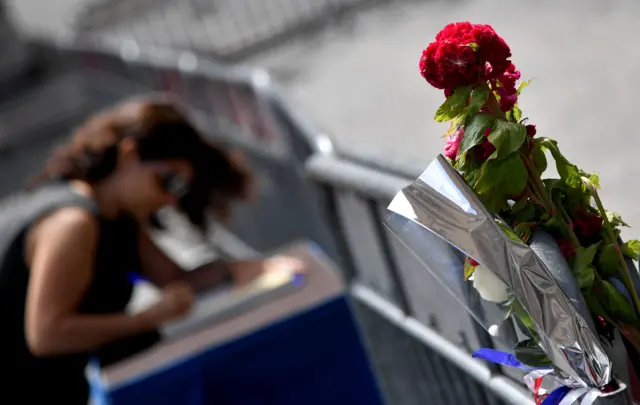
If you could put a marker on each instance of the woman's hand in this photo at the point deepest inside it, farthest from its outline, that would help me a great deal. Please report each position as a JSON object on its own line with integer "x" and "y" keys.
{"x": 244, "y": 272}
{"x": 177, "y": 300}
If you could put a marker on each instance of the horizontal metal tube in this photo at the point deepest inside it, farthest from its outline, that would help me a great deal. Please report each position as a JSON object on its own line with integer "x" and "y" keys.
{"x": 342, "y": 174}
{"x": 500, "y": 386}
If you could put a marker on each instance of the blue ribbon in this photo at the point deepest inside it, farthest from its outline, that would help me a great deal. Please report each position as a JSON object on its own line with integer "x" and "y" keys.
{"x": 507, "y": 359}
{"x": 556, "y": 396}
{"x": 503, "y": 358}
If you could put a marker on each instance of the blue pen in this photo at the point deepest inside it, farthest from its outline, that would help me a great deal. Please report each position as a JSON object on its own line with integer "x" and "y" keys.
{"x": 134, "y": 277}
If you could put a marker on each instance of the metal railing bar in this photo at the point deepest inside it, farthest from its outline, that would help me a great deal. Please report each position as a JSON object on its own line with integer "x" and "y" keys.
{"x": 336, "y": 227}
{"x": 407, "y": 167}
{"x": 501, "y": 386}
{"x": 389, "y": 258}
{"x": 375, "y": 184}
{"x": 440, "y": 394}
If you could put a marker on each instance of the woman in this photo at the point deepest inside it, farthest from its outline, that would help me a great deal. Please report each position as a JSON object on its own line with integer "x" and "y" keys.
{"x": 68, "y": 245}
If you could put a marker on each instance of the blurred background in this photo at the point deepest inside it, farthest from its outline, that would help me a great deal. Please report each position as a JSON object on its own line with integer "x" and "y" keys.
{"x": 351, "y": 64}
{"x": 326, "y": 99}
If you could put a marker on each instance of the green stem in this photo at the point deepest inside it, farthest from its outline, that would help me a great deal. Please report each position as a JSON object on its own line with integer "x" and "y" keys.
{"x": 624, "y": 270}
{"x": 538, "y": 186}
{"x": 494, "y": 107}
{"x": 572, "y": 236}
{"x": 534, "y": 197}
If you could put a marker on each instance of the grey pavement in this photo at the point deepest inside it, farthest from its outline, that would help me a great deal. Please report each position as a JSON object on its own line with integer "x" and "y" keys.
{"x": 360, "y": 80}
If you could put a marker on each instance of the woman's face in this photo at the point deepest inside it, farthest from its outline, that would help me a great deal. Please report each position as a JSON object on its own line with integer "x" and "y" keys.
{"x": 147, "y": 186}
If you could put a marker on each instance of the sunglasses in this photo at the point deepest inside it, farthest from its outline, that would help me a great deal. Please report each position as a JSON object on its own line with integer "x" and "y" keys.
{"x": 175, "y": 184}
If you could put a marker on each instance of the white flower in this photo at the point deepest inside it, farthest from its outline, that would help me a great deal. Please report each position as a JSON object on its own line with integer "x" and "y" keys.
{"x": 489, "y": 286}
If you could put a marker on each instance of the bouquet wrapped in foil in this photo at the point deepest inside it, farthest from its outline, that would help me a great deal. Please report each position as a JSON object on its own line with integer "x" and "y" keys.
{"x": 538, "y": 262}
{"x": 522, "y": 295}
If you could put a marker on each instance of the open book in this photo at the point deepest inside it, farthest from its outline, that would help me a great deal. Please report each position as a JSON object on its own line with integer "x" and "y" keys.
{"x": 220, "y": 304}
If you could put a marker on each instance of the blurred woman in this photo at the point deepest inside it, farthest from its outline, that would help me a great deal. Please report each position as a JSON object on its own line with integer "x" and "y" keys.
{"x": 68, "y": 245}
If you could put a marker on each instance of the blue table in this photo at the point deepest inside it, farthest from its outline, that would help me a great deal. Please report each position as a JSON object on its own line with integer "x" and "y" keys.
{"x": 312, "y": 356}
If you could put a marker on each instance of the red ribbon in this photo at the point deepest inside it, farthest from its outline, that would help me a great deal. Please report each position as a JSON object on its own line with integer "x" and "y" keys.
{"x": 536, "y": 389}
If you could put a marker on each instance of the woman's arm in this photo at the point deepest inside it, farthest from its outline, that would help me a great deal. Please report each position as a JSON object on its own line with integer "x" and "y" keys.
{"x": 61, "y": 250}
{"x": 161, "y": 270}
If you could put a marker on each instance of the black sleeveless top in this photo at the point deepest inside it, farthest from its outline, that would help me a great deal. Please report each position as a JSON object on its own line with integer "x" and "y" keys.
{"x": 61, "y": 378}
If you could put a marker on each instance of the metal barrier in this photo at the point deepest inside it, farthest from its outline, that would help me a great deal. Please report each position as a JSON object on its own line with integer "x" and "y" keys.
{"x": 401, "y": 306}
{"x": 419, "y": 337}
{"x": 225, "y": 29}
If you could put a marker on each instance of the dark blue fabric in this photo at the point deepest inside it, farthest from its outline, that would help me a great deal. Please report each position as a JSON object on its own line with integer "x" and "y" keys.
{"x": 314, "y": 358}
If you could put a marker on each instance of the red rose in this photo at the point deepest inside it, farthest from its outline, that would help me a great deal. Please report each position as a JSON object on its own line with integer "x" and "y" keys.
{"x": 486, "y": 148}
{"x": 492, "y": 48}
{"x": 455, "y": 30}
{"x": 507, "y": 87}
{"x": 510, "y": 76}
{"x": 585, "y": 223}
{"x": 448, "y": 65}
{"x": 453, "y": 144}
{"x": 451, "y": 61}
{"x": 531, "y": 130}
{"x": 507, "y": 99}
{"x": 566, "y": 248}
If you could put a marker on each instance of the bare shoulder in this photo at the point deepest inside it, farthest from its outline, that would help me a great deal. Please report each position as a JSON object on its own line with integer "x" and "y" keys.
{"x": 66, "y": 225}
{"x": 75, "y": 219}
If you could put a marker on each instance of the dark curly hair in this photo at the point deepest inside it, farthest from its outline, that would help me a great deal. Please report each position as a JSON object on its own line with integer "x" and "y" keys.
{"x": 162, "y": 131}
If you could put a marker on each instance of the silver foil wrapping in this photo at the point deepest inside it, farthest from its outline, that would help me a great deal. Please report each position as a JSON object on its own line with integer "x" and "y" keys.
{"x": 440, "y": 219}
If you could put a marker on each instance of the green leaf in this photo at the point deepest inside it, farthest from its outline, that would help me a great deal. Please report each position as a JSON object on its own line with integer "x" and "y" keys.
{"x": 595, "y": 306}
{"x": 479, "y": 96}
{"x": 617, "y": 304}
{"x": 474, "y": 131}
{"x": 577, "y": 197}
{"x": 471, "y": 177}
{"x": 582, "y": 269}
{"x": 520, "y": 205}
{"x": 523, "y": 319}
{"x": 473, "y": 46}
{"x": 523, "y": 230}
{"x": 631, "y": 249}
{"x": 507, "y": 230}
{"x": 507, "y": 137}
{"x": 539, "y": 158}
{"x": 595, "y": 180}
{"x": 500, "y": 179}
{"x": 608, "y": 262}
{"x": 523, "y": 316}
{"x": 469, "y": 167}
{"x": 522, "y": 86}
{"x": 567, "y": 170}
{"x": 515, "y": 114}
{"x": 585, "y": 256}
{"x": 468, "y": 269}
{"x": 531, "y": 354}
{"x": 555, "y": 226}
{"x": 586, "y": 277}
{"x": 454, "y": 105}
{"x": 526, "y": 214}
{"x": 615, "y": 219}
{"x": 556, "y": 188}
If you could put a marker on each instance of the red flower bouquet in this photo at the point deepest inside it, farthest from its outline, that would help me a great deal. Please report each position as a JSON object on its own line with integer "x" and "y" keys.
{"x": 502, "y": 157}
